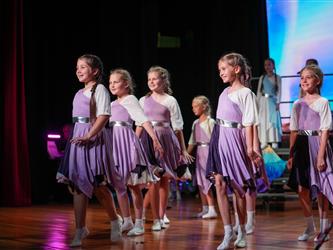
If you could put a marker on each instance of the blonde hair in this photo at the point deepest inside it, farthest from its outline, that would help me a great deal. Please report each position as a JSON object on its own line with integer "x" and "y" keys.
{"x": 317, "y": 73}
{"x": 164, "y": 75}
{"x": 235, "y": 59}
{"x": 126, "y": 77}
{"x": 204, "y": 101}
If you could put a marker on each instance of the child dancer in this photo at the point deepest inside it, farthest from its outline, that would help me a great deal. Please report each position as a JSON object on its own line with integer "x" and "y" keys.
{"x": 310, "y": 153}
{"x": 130, "y": 159}
{"x": 87, "y": 166}
{"x": 201, "y": 132}
{"x": 231, "y": 147}
{"x": 163, "y": 111}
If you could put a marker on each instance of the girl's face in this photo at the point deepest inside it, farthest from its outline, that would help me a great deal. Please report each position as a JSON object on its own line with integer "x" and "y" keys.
{"x": 197, "y": 108}
{"x": 309, "y": 81}
{"x": 269, "y": 66}
{"x": 155, "y": 83}
{"x": 227, "y": 72}
{"x": 117, "y": 85}
{"x": 84, "y": 72}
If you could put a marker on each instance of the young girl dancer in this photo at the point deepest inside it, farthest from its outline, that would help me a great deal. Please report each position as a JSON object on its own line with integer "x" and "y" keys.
{"x": 231, "y": 147}
{"x": 310, "y": 153}
{"x": 201, "y": 132}
{"x": 87, "y": 165}
{"x": 130, "y": 159}
{"x": 163, "y": 111}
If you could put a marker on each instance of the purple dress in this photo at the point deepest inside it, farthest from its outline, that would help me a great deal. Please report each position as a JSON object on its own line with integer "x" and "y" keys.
{"x": 86, "y": 166}
{"x": 304, "y": 170}
{"x": 202, "y": 148}
{"x": 227, "y": 150}
{"x": 172, "y": 161}
{"x": 131, "y": 163}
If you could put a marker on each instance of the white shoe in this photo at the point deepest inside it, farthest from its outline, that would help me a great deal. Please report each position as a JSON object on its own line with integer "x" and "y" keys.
{"x": 163, "y": 224}
{"x": 319, "y": 238}
{"x": 136, "y": 230}
{"x": 199, "y": 215}
{"x": 226, "y": 243}
{"x": 156, "y": 226}
{"x": 249, "y": 229}
{"x": 240, "y": 243}
{"x": 126, "y": 226}
{"x": 210, "y": 215}
{"x": 115, "y": 232}
{"x": 166, "y": 219}
{"x": 80, "y": 234}
{"x": 306, "y": 235}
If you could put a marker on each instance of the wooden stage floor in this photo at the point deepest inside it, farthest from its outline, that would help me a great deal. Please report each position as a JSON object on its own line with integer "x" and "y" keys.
{"x": 52, "y": 226}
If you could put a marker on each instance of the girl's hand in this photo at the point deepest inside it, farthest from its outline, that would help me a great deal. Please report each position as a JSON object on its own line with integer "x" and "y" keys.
{"x": 188, "y": 158}
{"x": 321, "y": 165}
{"x": 255, "y": 157}
{"x": 158, "y": 147}
{"x": 81, "y": 140}
{"x": 290, "y": 163}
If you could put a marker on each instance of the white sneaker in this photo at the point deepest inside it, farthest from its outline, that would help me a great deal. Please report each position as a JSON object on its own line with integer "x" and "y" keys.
{"x": 226, "y": 243}
{"x": 136, "y": 230}
{"x": 249, "y": 229}
{"x": 199, "y": 215}
{"x": 163, "y": 224}
{"x": 80, "y": 234}
{"x": 319, "y": 238}
{"x": 156, "y": 226}
{"x": 126, "y": 226}
{"x": 166, "y": 219}
{"x": 210, "y": 215}
{"x": 306, "y": 235}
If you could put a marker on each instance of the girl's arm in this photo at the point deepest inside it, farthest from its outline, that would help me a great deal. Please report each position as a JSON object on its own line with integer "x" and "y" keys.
{"x": 149, "y": 128}
{"x": 249, "y": 144}
{"x": 180, "y": 136}
{"x": 138, "y": 131}
{"x": 292, "y": 140}
{"x": 94, "y": 130}
{"x": 321, "y": 165}
{"x": 190, "y": 148}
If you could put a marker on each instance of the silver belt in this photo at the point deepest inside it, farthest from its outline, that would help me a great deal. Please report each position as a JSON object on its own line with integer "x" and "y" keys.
{"x": 267, "y": 95}
{"x": 80, "y": 119}
{"x": 120, "y": 123}
{"x": 308, "y": 132}
{"x": 228, "y": 124}
{"x": 202, "y": 144}
{"x": 160, "y": 124}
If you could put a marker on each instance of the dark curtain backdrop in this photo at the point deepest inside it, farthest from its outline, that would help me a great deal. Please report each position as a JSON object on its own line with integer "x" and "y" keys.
{"x": 124, "y": 34}
{"x": 15, "y": 172}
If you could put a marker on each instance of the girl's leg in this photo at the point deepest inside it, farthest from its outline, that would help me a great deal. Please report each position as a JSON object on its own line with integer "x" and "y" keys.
{"x": 241, "y": 211}
{"x": 138, "y": 228}
{"x": 223, "y": 202}
{"x": 203, "y": 202}
{"x": 125, "y": 211}
{"x": 211, "y": 208}
{"x": 234, "y": 203}
{"x": 146, "y": 202}
{"x": 153, "y": 195}
{"x": 305, "y": 201}
{"x": 80, "y": 201}
{"x": 250, "y": 211}
{"x": 163, "y": 192}
{"x": 323, "y": 215}
{"x": 104, "y": 196}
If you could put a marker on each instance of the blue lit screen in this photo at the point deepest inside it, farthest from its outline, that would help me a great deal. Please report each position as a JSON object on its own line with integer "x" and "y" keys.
{"x": 298, "y": 30}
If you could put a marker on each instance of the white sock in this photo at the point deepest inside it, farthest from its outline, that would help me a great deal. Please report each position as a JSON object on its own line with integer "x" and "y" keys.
{"x": 227, "y": 230}
{"x": 310, "y": 224}
{"x": 205, "y": 208}
{"x": 211, "y": 209}
{"x": 236, "y": 220}
{"x": 128, "y": 220}
{"x": 250, "y": 218}
{"x": 139, "y": 222}
{"x": 241, "y": 232}
{"x": 323, "y": 225}
{"x": 115, "y": 224}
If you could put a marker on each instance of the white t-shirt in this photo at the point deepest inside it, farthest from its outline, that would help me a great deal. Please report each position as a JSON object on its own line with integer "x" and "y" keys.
{"x": 102, "y": 98}
{"x": 133, "y": 107}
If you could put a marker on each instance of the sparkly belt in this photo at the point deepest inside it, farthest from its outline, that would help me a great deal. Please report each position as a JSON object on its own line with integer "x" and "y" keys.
{"x": 120, "y": 123}
{"x": 228, "y": 124}
{"x": 202, "y": 144}
{"x": 267, "y": 95}
{"x": 308, "y": 132}
{"x": 160, "y": 124}
{"x": 80, "y": 119}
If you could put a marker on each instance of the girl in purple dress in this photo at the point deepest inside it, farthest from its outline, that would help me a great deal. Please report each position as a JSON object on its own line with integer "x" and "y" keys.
{"x": 310, "y": 153}
{"x": 163, "y": 111}
{"x": 87, "y": 165}
{"x": 231, "y": 147}
{"x": 201, "y": 132}
{"x": 131, "y": 164}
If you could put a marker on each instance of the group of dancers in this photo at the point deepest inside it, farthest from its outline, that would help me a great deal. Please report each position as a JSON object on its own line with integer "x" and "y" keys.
{"x": 104, "y": 150}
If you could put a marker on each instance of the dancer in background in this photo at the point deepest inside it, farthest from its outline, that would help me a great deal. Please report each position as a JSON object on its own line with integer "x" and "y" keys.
{"x": 269, "y": 95}
{"x": 231, "y": 147}
{"x": 163, "y": 111}
{"x": 201, "y": 132}
{"x": 131, "y": 163}
{"x": 87, "y": 164}
{"x": 311, "y": 156}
